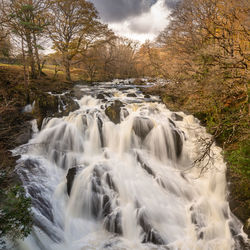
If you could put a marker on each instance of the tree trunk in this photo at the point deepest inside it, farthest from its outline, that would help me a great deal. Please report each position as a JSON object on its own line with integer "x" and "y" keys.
{"x": 67, "y": 69}
{"x": 31, "y": 56}
{"x": 24, "y": 66}
{"x": 37, "y": 56}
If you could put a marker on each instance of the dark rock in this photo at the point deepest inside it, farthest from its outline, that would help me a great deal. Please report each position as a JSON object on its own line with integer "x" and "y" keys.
{"x": 177, "y": 142}
{"x": 106, "y": 206}
{"x": 145, "y": 166}
{"x": 150, "y": 234}
{"x": 131, "y": 95}
{"x": 113, "y": 223}
{"x": 100, "y": 124}
{"x": 25, "y": 134}
{"x": 113, "y": 112}
{"x": 177, "y": 117}
{"x": 172, "y": 123}
{"x": 138, "y": 81}
{"x": 100, "y": 96}
{"x": 125, "y": 112}
{"x": 142, "y": 126}
{"x": 70, "y": 179}
{"x": 147, "y": 96}
{"x": 110, "y": 182}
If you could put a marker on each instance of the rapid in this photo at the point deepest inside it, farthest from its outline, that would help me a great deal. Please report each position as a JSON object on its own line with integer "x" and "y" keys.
{"x": 128, "y": 184}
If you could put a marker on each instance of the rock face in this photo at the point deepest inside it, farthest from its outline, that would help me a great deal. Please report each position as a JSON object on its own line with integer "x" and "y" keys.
{"x": 142, "y": 126}
{"x": 24, "y": 134}
{"x": 114, "y": 112}
{"x": 70, "y": 179}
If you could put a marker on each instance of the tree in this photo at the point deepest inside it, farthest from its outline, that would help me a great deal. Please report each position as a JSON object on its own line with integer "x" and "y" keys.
{"x": 26, "y": 21}
{"x": 74, "y": 25}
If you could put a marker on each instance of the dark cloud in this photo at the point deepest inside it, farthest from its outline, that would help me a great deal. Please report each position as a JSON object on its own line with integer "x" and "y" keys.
{"x": 119, "y": 10}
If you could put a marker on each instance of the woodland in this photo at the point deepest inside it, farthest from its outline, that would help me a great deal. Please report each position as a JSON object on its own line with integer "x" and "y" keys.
{"x": 204, "y": 53}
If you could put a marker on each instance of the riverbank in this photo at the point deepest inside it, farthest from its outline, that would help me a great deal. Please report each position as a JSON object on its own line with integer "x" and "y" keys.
{"x": 230, "y": 127}
{"x": 19, "y": 105}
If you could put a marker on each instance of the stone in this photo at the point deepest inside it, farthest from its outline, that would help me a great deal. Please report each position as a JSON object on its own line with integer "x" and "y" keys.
{"x": 114, "y": 112}
{"x": 142, "y": 126}
{"x": 70, "y": 179}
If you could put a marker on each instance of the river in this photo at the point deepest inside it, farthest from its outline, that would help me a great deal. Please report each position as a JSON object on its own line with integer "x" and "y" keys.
{"x": 128, "y": 184}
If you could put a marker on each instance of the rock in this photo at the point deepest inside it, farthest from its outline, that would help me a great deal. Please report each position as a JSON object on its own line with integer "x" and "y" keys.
{"x": 113, "y": 112}
{"x": 131, "y": 95}
{"x": 113, "y": 223}
{"x": 177, "y": 117}
{"x": 142, "y": 126}
{"x": 138, "y": 81}
{"x": 100, "y": 96}
{"x": 150, "y": 234}
{"x": 70, "y": 179}
{"x": 25, "y": 134}
{"x": 178, "y": 143}
{"x": 147, "y": 96}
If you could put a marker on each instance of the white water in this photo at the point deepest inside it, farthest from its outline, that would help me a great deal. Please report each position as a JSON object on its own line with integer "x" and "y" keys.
{"x": 130, "y": 191}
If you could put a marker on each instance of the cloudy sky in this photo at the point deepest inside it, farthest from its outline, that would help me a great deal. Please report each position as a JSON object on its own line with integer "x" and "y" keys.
{"x": 136, "y": 19}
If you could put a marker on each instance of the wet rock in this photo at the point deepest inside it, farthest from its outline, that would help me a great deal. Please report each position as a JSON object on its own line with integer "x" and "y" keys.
{"x": 70, "y": 179}
{"x": 100, "y": 96}
{"x": 125, "y": 112}
{"x": 147, "y": 96}
{"x": 106, "y": 206}
{"x": 150, "y": 234}
{"x": 100, "y": 125}
{"x": 131, "y": 95}
{"x": 69, "y": 105}
{"x": 113, "y": 223}
{"x": 107, "y": 94}
{"x": 25, "y": 134}
{"x": 177, "y": 117}
{"x": 178, "y": 143}
{"x": 110, "y": 182}
{"x": 142, "y": 126}
{"x": 145, "y": 166}
{"x": 45, "y": 106}
{"x": 113, "y": 112}
{"x": 172, "y": 123}
{"x": 138, "y": 81}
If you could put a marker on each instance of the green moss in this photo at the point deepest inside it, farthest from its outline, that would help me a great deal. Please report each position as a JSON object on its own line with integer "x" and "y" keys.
{"x": 239, "y": 160}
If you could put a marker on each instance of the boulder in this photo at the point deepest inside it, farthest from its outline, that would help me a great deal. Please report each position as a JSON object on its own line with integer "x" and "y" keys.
{"x": 70, "y": 179}
{"x": 114, "y": 112}
{"x": 100, "y": 96}
{"x": 177, "y": 117}
{"x": 142, "y": 126}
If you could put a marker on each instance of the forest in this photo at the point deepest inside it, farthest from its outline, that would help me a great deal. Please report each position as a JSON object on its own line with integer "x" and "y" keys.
{"x": 203, "y": 52}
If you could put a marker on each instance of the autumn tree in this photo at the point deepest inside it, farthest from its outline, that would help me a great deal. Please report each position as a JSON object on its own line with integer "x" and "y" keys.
{"x": 25, "y": 19}
{"x": 74, "y": 25}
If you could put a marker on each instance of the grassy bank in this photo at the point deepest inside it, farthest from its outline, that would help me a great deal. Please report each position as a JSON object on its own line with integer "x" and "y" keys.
{"x": 228, "y": 120}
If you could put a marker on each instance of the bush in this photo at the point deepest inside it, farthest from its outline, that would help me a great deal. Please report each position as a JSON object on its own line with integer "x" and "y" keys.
{"x": 15, "y": 213}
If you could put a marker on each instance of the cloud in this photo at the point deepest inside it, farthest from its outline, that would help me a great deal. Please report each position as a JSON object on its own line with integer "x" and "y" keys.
{"x": 119, "y": 10}
{"x": 136, "y": 19}
{"x": 145, "y": 26}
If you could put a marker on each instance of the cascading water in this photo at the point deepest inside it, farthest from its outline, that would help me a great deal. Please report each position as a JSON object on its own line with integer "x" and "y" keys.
{"x": 95, "y": 184}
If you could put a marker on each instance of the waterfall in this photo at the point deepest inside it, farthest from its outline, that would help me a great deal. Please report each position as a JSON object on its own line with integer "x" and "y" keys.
{"x": 95, "y": 184}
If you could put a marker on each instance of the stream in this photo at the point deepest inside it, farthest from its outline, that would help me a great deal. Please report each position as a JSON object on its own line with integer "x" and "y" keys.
{"x": 128, "y": 183}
